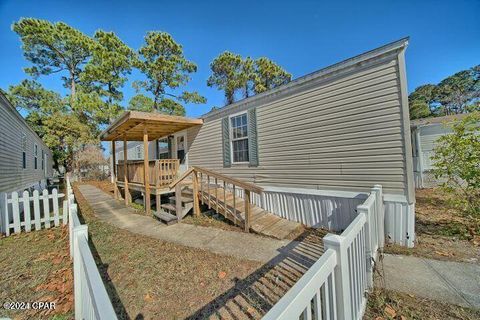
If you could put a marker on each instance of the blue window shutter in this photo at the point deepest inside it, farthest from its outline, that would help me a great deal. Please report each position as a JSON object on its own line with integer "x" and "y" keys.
{"x": 227, "y": 161}
{"x": 252, "y": 138}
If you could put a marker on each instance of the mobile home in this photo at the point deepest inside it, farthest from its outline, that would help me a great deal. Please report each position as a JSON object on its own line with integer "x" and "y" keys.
{"x": 315, "y": 145}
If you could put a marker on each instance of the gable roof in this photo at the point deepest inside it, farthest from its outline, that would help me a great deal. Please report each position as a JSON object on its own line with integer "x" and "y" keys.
{"x": 325, "y": 72}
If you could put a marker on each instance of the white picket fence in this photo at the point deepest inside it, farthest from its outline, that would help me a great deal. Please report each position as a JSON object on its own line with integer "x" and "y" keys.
{"x": 20, "y": 209}
{"x": 336, "y": 286}
{"x": 90, "y": 295}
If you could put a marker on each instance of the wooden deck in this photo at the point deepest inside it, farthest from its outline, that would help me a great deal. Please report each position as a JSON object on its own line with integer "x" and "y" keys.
{"x": 261, "y": 221}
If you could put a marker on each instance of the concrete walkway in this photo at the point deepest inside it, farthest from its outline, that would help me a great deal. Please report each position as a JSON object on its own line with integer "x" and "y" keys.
{"x": 238, "y": 244}
{"x": 449, "y": 282}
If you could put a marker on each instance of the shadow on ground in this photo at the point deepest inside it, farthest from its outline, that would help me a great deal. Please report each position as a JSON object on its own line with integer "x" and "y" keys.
{"x": 252, "y": 297}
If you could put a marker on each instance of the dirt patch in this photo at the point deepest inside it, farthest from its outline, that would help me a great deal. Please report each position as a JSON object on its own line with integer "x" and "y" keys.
{"x": 441, "y": 231}
{"x": 208, "y": 218}
{"x": 383, "y": 304}
{"x": 36, "y": 266}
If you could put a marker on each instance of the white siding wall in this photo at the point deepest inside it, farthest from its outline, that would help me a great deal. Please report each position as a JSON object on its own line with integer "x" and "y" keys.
{"x": 12, "y": 175}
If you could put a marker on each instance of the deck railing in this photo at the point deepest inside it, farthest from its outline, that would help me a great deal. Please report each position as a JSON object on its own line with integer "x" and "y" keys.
{"x": 90, "y": 296}
{"x": 335, "y": 286}
{"x": 208, "y": 184}
{"x": 160, "y": 172}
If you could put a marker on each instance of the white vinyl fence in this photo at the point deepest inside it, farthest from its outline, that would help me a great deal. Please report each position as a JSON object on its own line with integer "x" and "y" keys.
{"x": 32, "y": 211}
{"x": 335, "y": 287}
{"x": 91, "y": 297}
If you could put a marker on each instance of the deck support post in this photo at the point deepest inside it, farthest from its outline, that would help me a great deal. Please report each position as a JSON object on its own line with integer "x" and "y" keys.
{"x": 157, "y": 185}
{"x": 247, "y": 209}
{"x": 114, "y": 170}
{"x": 196, "y": 202}
{"x": 146, "y": 170}
{"x": 125, "y": 173}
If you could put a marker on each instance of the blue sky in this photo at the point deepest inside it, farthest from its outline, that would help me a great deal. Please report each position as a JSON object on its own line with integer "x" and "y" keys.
{"x": 301, "y": 36}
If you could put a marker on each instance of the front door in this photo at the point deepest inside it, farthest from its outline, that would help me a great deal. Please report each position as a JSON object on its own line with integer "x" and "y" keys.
{"x": 180, "y": 150}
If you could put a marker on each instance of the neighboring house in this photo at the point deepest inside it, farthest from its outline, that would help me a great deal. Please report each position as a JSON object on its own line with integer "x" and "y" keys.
{"x": 25, "y": 160}
{"x": 317, "y": 144}
{"x": 425, "y": 133}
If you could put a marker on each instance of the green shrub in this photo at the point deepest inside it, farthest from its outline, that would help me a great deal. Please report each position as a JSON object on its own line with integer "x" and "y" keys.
{"x": 456, "y": 161}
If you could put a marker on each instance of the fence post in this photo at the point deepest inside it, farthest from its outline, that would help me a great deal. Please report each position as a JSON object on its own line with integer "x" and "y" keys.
{"x": 380, "y": 214}
{"x": 3, "y": 213}
{"x": 78, "y": 231}
{"x": 369, "y": 233}
{"x": 72, "y": 210}
{"x": 342, "y": 284}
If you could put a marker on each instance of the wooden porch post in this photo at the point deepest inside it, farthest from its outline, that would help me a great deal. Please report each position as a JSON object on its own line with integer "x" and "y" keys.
{"x": 114, "y": 170}
{"x": 146, "y": 171}
{"x": 125, "y": 175}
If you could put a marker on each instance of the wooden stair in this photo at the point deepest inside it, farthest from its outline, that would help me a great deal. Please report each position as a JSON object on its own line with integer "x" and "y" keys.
{"x": 221, "y": 194}
{"x": 261, "y": 221}
{"x": 169, "y": 214}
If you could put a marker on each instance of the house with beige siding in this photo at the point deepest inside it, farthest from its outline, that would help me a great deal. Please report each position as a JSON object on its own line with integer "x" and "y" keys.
{"x": 315, "y": 146}
{"x": 25, "y": 160}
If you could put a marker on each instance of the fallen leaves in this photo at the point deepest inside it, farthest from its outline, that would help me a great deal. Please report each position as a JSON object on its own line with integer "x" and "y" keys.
{"x": 390, "y": 311}
{"x": 222, "y": 275}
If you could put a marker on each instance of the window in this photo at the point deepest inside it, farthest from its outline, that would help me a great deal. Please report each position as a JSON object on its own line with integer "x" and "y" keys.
{"x": 35, "y": 155}
{"x": 24, "y": 151}
{"x": 163, "y": 148}
{"x": 139, "y": 151}
{"x": 239, "y": 138}
{"x": 43, "y": 160}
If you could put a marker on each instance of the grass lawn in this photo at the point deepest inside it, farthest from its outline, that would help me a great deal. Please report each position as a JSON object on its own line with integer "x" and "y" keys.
{"x": 383, "y": 304}
{"x": 442, "y": 233}
{"x": 36, "y": 266}
{"x": 153, "y": 279}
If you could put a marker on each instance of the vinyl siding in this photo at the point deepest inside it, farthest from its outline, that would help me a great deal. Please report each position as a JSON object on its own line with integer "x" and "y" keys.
{"x": 12, "y": 175}
{"x": 132, "y": 150}
{"x": 341, "y": 132}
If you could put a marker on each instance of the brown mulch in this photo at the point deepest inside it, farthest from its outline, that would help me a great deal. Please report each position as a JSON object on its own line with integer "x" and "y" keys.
{"x": 36, "y": 266}
{"x": 441, "y": 231}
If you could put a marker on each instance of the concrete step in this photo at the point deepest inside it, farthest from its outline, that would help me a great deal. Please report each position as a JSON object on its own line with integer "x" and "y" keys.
{"x": 167, "y": 218}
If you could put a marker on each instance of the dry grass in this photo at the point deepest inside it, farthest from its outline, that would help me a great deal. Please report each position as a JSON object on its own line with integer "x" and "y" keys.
{"x": 384, "y": 304}
{"x": 152, "y": 279}
{"x": 36, "y": 266}
{"x": 442, "y": 232}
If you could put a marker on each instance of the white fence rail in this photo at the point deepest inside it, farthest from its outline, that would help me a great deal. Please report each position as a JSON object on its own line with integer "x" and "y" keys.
{"x": 91, "y": 297}
{"x": 336, "y": 286}
{"x": 36, "y": 211}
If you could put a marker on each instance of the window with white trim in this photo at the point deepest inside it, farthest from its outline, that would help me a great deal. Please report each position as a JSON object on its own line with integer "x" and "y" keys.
{"x": 239, "y": 138}
{"x": 43, "y": 160}
{"x": 35, "y": 156}
{"x": 163, "y": 148}
{"x": 24, "y": 151}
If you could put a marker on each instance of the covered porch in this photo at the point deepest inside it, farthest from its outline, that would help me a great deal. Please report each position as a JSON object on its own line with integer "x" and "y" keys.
{"x": 149, "y": 176}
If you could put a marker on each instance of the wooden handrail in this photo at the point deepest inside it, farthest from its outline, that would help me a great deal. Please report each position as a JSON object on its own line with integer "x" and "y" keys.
{"x": 182, "y": 177}
{"x": 242, "y": 184}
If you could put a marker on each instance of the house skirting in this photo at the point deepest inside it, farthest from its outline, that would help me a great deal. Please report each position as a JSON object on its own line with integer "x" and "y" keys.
{"x": 335, "y": 210}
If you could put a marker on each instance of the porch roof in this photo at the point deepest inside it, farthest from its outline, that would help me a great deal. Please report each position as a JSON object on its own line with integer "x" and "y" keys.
{"x": 132, "y": 124}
